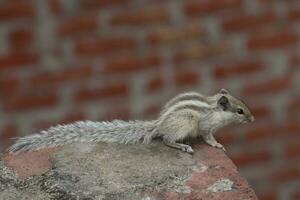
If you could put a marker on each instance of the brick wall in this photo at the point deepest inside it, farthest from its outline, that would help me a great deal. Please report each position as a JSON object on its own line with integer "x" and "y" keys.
{"x": 62, "y": 61}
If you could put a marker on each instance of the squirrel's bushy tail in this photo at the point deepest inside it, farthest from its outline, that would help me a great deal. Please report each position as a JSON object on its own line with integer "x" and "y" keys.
{"x": 116, "y": 131}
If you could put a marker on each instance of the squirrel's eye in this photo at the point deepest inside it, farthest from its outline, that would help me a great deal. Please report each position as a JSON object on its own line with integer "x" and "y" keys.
{"x": 240, "y": 111}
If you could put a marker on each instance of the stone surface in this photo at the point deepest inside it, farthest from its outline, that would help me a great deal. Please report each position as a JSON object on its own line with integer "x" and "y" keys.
{"x": 112, "y": 171}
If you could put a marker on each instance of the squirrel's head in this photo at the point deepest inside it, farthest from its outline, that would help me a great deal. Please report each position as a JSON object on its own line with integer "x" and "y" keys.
{"x": 240, "y": 112}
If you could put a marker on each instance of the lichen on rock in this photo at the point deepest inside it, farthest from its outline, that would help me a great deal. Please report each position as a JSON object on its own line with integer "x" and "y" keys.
{"x": 114, "y": 172}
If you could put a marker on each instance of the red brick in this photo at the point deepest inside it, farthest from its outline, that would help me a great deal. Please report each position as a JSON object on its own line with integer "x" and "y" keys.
{"x": 196, "y": 51}
{"x": 270, "y": 131}
{"x": 131, "y": 64}
{"x": 77, "y": 73}
{"x": 295, "y": 104}
{"x": 293, "y": 126}
{"x": 246, "y": 22}
{"x": 116, "y": 113}
{"x": 174, "y": 35}
{"x": 152, "y": 110}
{"x": 96, "y": 4}
{"x": 72, "y": 117}
{"x": 187, "y": 78}
{"x": 109, "y": 91}
{"x": 286, "y": 174}
{"x": 8, "y": 131}
{"x": 251, "y": 158}
{"x": 294, "y": 14}
{"x": 29, "y": 102}
{"x": 8, "y": 85}
{"x": 20, "y": 38}
{"x": 296, "y": 195}
{"x": 237, "y": 69}
{"x": 266, "y": 2}
{"x": 30, "y": 163}
{"x": 215, "y": 166}
{"x": 292, "y": 150}
{"x": 43, "y": 125}
{"x": 104, "y": 45}
{"x": 268, "y": 196}
{"x": 17, "y": 60}
{"x": 155, "y": 84}
{"x": 199, "y": 181}
{"x": 43, "y": 78}
{"x": 272, "y": 40}
{"x": 141, "y": 17}
{"x": 294, "y": 61}
{"x": 66, "y": 118}
{"x": 55, "y": 6}
{"x": 16, "y": 10}
{"x": 69, "y": 74}
{"x": 78, "y": 25}
{"x": 195, "y": 8}
{"x": 268, "y": 86}
{"x": 261, "y": 111}
{"x": 225, "y": 137}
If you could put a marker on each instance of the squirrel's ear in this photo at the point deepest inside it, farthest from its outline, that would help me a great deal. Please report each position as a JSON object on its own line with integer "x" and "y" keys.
{"x": 223, "y": 102}
{"x": 223, "y": 91}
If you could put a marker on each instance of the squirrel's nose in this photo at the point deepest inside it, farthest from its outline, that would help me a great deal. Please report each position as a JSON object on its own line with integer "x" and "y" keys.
{"x": 252, "y": 119}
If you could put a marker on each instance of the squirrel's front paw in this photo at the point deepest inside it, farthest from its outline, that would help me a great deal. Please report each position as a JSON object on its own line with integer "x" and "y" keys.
{"x": 187, "y": 149}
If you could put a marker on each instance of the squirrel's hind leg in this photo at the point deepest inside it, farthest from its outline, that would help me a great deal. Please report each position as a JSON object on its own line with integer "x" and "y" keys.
{"x": 178, "y": 127}
{"x": 182, "y": 147}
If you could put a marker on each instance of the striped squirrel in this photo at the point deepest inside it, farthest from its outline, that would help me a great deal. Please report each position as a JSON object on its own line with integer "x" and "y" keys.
{"x": 187, "y": 115}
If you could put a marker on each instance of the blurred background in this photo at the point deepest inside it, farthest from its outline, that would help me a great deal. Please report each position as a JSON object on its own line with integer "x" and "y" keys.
{"x": 63, "y": 60}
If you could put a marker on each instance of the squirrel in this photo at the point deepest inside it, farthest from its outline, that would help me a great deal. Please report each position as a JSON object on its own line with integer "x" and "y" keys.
{"x": 187, "y": 115}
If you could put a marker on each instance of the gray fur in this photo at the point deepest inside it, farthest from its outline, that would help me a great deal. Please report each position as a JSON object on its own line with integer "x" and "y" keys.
{"x": 192, "y": 115}
{"x": 186, "y": 115}
{"x": 85, "y": 131}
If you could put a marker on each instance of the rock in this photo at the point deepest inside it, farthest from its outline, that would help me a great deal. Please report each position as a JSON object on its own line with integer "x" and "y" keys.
{"x": 112, "y": 171}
